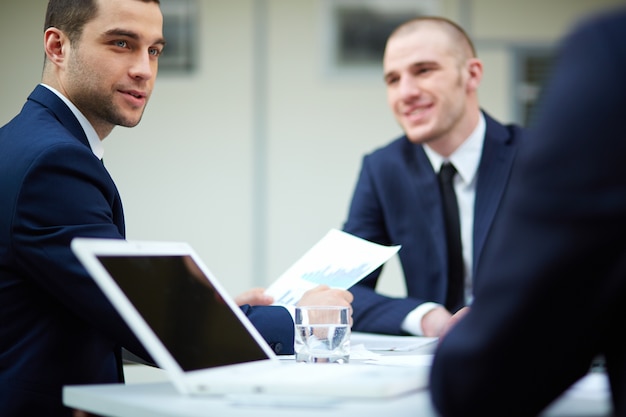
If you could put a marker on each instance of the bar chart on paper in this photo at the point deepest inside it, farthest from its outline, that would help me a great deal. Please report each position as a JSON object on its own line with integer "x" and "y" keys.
{"x": 336, "y": 277}
{"x": 338, "y": 260}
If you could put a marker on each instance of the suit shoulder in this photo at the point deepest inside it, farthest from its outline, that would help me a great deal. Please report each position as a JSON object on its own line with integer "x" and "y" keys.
{"x": 510, "y": 133}
{"x": 35, "y": 127}
{"x": 36, "y": 135}
{"x": 608, "y": 20}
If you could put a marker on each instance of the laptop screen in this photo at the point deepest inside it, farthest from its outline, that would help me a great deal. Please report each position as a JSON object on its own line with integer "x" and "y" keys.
{"x": 183, "y": 309}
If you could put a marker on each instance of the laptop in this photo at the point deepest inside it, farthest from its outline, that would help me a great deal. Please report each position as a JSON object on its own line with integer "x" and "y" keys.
{"x": 197, "y": 334}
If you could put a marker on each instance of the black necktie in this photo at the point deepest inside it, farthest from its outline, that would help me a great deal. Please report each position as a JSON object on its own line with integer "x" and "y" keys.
{"x": 455, "y": 293}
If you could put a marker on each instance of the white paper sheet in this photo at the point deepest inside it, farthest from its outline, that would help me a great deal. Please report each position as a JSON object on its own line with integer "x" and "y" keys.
{"x": 338, "y": 260}
{"x": 404, "y": 360}
{"x": 389, "y": 343}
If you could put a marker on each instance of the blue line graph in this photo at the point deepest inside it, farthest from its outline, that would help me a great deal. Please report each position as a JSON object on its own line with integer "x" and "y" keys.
{"x": 288, "y": 298}
{"x": 336, "y": 277}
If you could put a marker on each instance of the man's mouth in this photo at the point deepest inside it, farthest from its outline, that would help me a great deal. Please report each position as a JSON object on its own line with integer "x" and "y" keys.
{"x": 416, "y": 113}
{"x": 136, "y": 94}
{"x": 135, "y": 98}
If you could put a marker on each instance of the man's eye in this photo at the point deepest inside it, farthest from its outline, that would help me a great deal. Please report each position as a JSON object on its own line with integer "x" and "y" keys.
{"x": 121, "y": 44}
{"x": 154, "y": 52}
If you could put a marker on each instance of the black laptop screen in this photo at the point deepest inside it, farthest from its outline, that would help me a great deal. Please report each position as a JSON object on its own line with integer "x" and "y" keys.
{"x": 184, "y": 310}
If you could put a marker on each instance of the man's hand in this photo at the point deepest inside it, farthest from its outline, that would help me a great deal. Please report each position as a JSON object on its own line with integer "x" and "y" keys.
{"x": 434, "y": 322}
{"x": 454, "y": 320}
{"x": 323, "y": 295}
{"x": 438, "y": 321}
{"x": 254, "y": 297}
{"x": 79, "y": 413}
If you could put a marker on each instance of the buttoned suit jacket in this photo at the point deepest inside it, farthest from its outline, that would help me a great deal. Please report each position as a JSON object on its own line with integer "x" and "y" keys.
{"x": 552, "y": 288}
{"x": 56, "y": 327}
{"x": 397, "y": 201}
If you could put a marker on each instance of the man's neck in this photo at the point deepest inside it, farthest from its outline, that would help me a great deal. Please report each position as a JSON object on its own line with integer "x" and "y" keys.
{"x": 447, "y": 145}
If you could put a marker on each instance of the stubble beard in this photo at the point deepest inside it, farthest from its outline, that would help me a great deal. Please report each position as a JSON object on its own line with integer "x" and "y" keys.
{"x": 91, "y": 98}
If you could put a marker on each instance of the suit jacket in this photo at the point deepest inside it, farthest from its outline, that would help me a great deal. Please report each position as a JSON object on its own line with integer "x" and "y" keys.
{"x": 552, "y": 282}
{"x": 56, "y": 327}
{"x": 397, "y": 202}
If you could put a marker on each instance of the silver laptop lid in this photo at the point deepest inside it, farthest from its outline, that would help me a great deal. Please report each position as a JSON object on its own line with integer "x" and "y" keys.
{"x": 172, "y": 302}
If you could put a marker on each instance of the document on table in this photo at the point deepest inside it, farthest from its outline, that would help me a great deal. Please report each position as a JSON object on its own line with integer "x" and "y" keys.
{"x": 377, "y": 349}
{"x": 390, "y": 343}
{"x": 338, "y": 260}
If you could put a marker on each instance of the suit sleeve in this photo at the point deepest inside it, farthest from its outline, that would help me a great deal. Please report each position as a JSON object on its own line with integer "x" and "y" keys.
{"x": 373, "y": 312}
{"x": 275, "y": 325}
{"x": 552, "y": 285}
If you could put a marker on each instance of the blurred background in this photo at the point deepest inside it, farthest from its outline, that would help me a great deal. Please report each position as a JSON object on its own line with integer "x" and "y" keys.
{"x": 252, "y": 141}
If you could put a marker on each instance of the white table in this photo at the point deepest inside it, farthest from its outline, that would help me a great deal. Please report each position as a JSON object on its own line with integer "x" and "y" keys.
{"x": 589, "y": 398}
{"x": 162, "y": 400}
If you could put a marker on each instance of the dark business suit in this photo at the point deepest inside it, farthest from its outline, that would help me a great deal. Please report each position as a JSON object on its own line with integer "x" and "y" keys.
{"x": 397, "y": 202}
{"x": 552, "y": 282}
{"x": 56, "y": 327}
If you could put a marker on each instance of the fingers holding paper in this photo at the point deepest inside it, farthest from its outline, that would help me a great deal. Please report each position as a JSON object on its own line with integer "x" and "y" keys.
{"x": 323, "y": 295}
{"x": 254, "y": 297}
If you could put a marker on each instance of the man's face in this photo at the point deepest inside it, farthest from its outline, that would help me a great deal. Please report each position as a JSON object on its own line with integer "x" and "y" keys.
{"x": 427, "y": 86}
{"x": 111, "y": 69}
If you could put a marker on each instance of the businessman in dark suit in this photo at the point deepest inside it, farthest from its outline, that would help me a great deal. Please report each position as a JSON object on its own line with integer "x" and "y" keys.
{"x": 432, "y": 76}
{"x": 551, "y": 291}
{"x": 56, "y": 327}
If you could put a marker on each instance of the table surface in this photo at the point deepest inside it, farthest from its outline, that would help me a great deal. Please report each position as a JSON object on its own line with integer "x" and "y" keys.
{"x": 148, "y": 393}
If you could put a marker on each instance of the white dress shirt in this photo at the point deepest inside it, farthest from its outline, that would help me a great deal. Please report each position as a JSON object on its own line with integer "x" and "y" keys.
{"x": 466, "y": 160}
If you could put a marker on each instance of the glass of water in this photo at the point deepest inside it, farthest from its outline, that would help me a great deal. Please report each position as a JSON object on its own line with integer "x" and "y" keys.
{"x": 322, "y": 334}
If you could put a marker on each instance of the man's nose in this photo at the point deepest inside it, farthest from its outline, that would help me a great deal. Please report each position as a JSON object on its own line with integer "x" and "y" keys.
{"x": 143, "y": 67}
{"x": 408, "y": 88}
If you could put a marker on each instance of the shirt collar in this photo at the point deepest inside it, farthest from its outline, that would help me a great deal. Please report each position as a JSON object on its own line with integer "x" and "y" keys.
{"x": 94, "y": 140}
{"x": 467, "y": 156}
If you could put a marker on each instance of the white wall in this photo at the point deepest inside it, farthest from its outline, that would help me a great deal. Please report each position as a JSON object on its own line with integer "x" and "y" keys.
{"x": 253, "y": 157}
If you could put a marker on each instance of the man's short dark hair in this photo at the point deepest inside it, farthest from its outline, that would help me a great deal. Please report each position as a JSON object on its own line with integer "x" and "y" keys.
{"x": 70, "y": 16}
{"x": 453, "y": 29}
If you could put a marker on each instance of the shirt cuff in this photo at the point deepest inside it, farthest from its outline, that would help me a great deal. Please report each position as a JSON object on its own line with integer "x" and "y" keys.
{"x": 413, "y": 321}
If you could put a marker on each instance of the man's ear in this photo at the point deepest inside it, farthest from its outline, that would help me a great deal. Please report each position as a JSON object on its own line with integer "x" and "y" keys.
{"x": 56, "y": 45}
{"x": 474, "y": 68}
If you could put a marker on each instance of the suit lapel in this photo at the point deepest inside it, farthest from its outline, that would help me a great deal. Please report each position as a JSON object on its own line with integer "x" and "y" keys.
{"x": 428, "y": 200}
{"x": 493, "y": 173}
{"x": 63, "y": 113}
